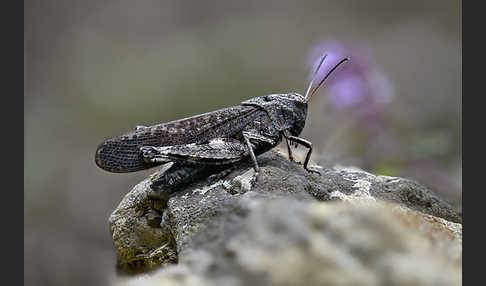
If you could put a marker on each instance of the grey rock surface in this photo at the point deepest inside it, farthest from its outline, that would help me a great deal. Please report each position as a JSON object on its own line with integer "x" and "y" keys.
{"x": 342, "y": 227}
{"x": 137, "y": 236}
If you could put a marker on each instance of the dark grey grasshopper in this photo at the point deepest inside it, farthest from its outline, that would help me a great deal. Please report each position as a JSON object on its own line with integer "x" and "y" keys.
{"x": 213, "y": 141}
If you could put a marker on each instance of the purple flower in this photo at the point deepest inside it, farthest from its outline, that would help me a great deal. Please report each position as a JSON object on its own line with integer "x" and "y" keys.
{"x": 355, "y": 83}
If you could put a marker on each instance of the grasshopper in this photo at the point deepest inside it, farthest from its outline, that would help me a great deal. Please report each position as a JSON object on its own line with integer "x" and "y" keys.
{"x": 212, "y": 142}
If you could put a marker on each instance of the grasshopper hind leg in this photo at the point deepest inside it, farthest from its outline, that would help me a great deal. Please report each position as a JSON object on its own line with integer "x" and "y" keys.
{"x": 176, "y": 177}
{"x": 194, "y": 161}
{"x": 191, "y": 162}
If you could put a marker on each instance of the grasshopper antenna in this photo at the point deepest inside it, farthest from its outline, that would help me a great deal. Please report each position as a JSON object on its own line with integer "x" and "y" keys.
{"x": 322, "y": 81}
{"x": 314, "y": 75}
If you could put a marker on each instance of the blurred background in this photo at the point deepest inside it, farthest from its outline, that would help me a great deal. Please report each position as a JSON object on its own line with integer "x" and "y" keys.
{"x": 96, "y": 69}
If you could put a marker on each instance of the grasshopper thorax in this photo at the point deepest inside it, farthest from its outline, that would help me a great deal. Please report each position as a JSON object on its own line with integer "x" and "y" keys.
{"x": 287, "y": 111}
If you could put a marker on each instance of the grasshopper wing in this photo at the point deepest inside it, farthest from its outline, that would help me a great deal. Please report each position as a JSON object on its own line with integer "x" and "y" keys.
{"x": 121, "y": 154}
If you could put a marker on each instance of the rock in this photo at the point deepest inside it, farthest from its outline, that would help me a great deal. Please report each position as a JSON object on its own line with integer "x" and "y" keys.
{"x": 289, "y": 228}
{"x": 139, "y": 243}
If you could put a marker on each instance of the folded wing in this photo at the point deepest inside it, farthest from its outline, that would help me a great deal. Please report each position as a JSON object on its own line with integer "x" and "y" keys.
{"x": 121, "y": 154}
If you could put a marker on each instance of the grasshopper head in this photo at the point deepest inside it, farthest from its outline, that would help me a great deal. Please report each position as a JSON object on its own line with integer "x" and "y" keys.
{"x": 287, "y": 111}
{"x": 294, "y": 110}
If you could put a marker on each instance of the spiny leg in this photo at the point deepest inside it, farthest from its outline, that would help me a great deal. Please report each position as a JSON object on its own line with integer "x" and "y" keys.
{"x": 260, "y": 140}
{"x": 252, "y": 154}
{"x": 291, "y": 158}
{"x": 306, "y": 144}
{"x": 286, "y": 135}
{"x": 257, "y": 139}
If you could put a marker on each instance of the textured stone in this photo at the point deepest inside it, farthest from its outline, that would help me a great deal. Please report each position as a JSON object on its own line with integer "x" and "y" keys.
{"x": 139, "y": 244}
{"x": 289, "y": 228}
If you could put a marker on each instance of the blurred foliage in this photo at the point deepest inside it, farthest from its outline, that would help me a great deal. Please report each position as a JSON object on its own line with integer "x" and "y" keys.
{"x": 96, "y": 69}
